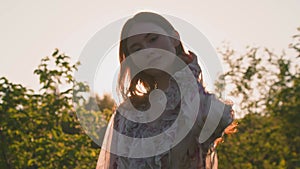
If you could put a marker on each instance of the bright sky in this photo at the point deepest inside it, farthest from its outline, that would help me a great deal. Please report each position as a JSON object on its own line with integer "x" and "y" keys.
{"x": 32, "y": 29}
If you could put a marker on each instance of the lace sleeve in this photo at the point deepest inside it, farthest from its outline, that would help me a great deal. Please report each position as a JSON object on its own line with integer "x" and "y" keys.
{"x": 212, "y": 110}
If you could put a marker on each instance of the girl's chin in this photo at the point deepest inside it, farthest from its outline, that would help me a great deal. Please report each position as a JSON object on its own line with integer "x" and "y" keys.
{"x": 153, "y": 72}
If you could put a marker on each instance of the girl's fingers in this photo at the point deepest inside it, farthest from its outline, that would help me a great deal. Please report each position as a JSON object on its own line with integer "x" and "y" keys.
{"x": 232, "y": 128}
{"x": 186, "y": 58}
{"x": 189, "y": 57}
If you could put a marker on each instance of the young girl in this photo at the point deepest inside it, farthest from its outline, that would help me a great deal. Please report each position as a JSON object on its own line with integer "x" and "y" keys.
{"x": 147, "y": 42}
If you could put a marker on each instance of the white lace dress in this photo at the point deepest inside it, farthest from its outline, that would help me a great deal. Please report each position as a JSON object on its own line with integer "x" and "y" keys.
{"x": 189, "y": 152}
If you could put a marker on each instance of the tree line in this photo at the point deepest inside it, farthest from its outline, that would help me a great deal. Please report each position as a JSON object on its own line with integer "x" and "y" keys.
{"x": 40, "y": 129}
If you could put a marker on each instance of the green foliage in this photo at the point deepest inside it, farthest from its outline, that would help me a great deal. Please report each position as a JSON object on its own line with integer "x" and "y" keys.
{"x": 268, "y": 88}
{"x": 41, "y": 130}
{"x": 258, "y": 144}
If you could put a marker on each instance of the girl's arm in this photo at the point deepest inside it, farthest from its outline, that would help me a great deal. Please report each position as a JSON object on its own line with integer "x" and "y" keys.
{"x": 207, "y": 100}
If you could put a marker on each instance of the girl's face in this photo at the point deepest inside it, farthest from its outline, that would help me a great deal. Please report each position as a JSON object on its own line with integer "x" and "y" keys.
{"x": 157, "y": 42}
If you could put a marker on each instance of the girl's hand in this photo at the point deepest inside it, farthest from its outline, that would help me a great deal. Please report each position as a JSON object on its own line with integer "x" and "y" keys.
{"x": 232, "y": 128}
{"x": 189, "y": 58}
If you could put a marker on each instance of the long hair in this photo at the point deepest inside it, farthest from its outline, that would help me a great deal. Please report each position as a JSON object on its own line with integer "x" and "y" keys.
{"x": 131, "y": 89}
